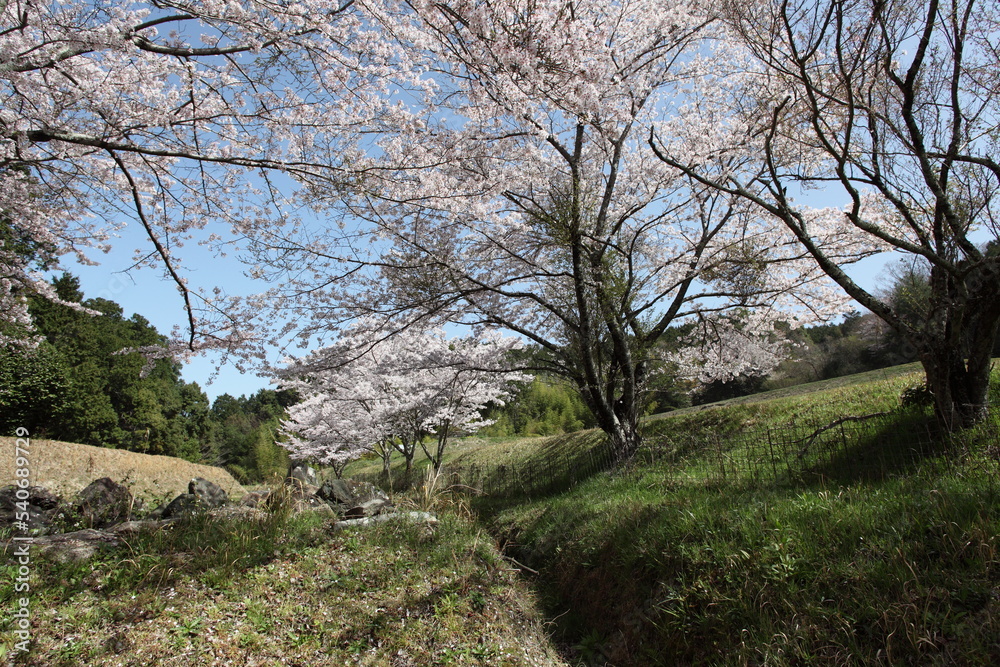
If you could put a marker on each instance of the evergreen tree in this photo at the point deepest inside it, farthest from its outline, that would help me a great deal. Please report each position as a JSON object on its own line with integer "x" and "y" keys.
{"x": 243, "y": 432}
{"x": 92, "y": 390}
{"x": 34, "y": 391}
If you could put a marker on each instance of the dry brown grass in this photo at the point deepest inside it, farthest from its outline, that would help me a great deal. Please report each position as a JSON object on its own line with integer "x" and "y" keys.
{"x": 66, "y": 468}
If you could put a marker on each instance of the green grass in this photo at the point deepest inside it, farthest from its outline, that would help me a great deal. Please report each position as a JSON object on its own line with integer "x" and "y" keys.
{"x": 461, "y": 451}
{"x": 285, "y": 589}
{"x": 814, "y": 402}
{"x": 907, "y": 373}
{"x": 688, "y": 430}
{"x": 905, "y": 572}
{"x": 660, "y": 564}
{"x": 871, "y": 552}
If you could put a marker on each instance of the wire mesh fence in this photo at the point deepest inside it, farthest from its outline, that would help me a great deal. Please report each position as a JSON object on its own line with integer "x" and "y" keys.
{"x": 845, "y": 451}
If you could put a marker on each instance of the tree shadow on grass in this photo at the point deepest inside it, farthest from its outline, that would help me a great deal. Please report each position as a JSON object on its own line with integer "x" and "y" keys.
{"x": 559, "y": 464}
{"x": 881, "y": 450}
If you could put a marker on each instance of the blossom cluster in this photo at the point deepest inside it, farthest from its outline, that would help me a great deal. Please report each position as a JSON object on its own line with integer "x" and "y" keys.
{"x": 367, "y": 390}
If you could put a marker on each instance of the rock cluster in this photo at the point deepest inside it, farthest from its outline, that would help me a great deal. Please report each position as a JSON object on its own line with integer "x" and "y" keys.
{"x": 202, "y": 496}
{"x": 103, "y": 503}
{"x": 39, "y": 511}
{"x": 105, "y": 511}
{"x": 303, "y": 472}
{"x": 337, "y": 498}
{"x": 97, "y": 517}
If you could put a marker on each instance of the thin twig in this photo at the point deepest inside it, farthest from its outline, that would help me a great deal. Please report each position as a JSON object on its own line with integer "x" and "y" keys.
{"x": 520, "y": 565}
{"x": 808, "y": 440}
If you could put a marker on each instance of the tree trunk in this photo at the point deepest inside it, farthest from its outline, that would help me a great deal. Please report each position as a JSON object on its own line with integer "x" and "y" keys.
{"x": 442, "y": 441}
{"x": 960, "y": 387}
{"x": 387, "y": 467}
{"x": 959, "y": 361}
{"x": 619, "y": 420}
{"x": 625, "y": 440}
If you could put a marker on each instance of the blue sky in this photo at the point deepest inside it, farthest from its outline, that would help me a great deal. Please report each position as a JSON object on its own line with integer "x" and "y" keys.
{"x": 148, "y": 293}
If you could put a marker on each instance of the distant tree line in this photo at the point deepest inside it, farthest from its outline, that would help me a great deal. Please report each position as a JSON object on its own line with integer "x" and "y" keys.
{"x": 77, "y": 385}
{"x": 244, "y": 431}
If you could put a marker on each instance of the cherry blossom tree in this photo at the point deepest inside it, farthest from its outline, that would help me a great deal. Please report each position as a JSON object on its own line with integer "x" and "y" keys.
{"x": 518, "y": 191}
{"x": 467, "y": 375}
{"x": 367, "y": 393}
{"x": 331, "y": 432}
{"x": 185, "y": 117}
{"x": 892, "y": 107}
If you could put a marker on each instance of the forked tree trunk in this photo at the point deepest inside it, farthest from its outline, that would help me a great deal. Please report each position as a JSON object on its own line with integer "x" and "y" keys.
{"x": 625, "y": 440}
{"x": 958, "y": 375}
{"x": 960, "y": 386}
{"x": 620, "y": 422}
{"x": 618, "y": 418}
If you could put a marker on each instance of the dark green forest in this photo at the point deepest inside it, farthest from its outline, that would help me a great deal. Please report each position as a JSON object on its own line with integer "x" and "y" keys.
{"x": 79, "y": 386}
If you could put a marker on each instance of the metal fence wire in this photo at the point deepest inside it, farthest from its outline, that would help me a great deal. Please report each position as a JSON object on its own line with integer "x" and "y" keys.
{"x": 841, "y": 452}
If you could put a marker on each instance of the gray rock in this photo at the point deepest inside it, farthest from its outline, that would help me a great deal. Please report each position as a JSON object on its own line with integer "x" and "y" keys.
{"x": 133, "y": 527}
{"x": 210, "y": 493}
{"x": 314, "y": 504}
{"x": 300, "y": 489}
{"x": 303, "y": 472}
{"x": 415, "y": 517}
{"x": 255, "y": 498}
{"x": 365, "y": 491}
{"x": 103, "y": 503}
{"x": 40, "y": 509}
{"x": 185, "y": 504}
{"x": 76, "y": 546}
{"x": 157, "y": 512}
{"x": 81, "y": 545}
{"x": 38, "y": 496}
{"x": 337, "y": 492}
{"x": 239, "y": 512}
{"x": 373, "y": 507}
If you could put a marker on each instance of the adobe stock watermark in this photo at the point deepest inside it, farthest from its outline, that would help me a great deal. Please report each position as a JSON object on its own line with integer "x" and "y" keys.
{"x": 115, "y": 286}
{"x": 21, "y": 544}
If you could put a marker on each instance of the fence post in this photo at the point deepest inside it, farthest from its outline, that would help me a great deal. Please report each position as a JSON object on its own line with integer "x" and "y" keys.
{"x": 718, "y": 449}
{"x": 770, "y": 447}
{"x": 843, "y": 443}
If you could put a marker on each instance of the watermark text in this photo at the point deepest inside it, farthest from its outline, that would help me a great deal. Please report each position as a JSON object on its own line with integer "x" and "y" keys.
{"x": 21, "y": 544}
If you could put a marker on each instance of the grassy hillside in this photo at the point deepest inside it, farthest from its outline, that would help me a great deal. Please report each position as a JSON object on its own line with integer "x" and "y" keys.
{"x": 655, "y": 565}
{"x": 906, "y": 374}
{"x": 663, "y": 562}
{"x": 827, "y": 399}
{"x": 276, "y": 589}
{"x": 66, "y": 468}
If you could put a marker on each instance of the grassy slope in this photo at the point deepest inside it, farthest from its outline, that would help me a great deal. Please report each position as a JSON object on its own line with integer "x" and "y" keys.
{"x": 635, "y": 568}
{"x": 817, "y": 401}
{"x": 643, "y": 570}
{"x": 907, "y": 373}
{"x": 270, "y": 590}
{"x": 66, "y": 468}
